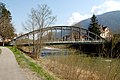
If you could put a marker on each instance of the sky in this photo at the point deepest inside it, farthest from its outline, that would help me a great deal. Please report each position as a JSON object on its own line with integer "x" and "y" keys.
{"x": 68, "y": 12}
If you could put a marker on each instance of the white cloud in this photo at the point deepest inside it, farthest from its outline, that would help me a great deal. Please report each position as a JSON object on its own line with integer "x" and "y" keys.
{"x": 76, "y": 17}
{"x": 109, "y": 5}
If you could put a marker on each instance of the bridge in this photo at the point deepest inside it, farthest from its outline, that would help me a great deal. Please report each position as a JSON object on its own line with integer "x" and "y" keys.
{"x": 59, "y": 35}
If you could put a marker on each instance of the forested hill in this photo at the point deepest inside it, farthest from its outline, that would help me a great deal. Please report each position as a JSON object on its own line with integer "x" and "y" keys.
{"x": 110, "y": 19}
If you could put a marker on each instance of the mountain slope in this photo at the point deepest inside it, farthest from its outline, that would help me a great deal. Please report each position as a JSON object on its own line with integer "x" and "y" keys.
{"x": 110, "y": 19}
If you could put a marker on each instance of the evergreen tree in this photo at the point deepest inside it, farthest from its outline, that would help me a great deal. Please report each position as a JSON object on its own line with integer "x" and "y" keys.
{"x": 94, "y": 26}
{"x": 6, "y": 28}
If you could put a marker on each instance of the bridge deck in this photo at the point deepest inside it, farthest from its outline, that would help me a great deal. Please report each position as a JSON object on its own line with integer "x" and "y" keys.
{"x": 74, "y": 42}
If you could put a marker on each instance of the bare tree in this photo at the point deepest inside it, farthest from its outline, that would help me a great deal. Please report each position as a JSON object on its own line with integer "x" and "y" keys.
{"x": 40, "y": 18}
{"x": 30, "y": 25}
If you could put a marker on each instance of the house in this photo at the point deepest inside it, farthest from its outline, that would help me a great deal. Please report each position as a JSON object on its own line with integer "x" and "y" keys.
{"x": 105, "y": 32}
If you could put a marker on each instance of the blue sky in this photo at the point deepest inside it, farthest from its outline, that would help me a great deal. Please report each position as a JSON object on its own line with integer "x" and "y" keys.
{"x": 67, "y": 11}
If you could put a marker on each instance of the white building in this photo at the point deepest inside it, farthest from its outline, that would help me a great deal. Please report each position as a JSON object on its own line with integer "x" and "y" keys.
{"x": 105, "y": 32}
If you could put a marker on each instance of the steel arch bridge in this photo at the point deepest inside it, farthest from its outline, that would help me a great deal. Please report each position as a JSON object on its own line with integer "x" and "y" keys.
{"x": 60, "y": 35}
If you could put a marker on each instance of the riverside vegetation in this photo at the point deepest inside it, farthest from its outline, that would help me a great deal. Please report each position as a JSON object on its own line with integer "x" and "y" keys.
{"x": 82, "y": 67}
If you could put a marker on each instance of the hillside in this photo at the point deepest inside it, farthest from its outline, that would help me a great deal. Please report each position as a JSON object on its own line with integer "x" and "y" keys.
{"x": 110, "y": 19}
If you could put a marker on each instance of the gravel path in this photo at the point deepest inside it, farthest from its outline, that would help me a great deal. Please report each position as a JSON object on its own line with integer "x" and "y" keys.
{"x": 9, "y": 68}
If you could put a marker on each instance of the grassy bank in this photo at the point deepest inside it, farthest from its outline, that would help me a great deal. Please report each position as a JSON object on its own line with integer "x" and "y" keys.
{"x": 27, "y": 62}
{"x": 78, "y": 67}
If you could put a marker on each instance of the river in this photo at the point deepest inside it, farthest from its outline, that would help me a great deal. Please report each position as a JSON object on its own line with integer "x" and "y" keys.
{"x": 47, "y": 51}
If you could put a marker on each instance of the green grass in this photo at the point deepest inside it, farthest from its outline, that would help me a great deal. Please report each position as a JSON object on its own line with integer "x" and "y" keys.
{"x": 26, "y": 62}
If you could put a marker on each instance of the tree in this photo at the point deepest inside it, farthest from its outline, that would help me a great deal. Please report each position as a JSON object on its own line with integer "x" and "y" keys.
{"x": 6, "y": 28}
{"x": 30, "y": 25}
{"x": 115, "y": 46}
{"x": 40, "y": 18}
{"x": 94, "y": 26}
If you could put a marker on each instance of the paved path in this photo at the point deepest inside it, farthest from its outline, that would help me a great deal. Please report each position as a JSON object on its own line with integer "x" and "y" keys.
{"x": 9, "y": 68}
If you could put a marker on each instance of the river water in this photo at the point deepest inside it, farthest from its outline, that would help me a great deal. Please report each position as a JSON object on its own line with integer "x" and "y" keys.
{"x": 48, "y": 51}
